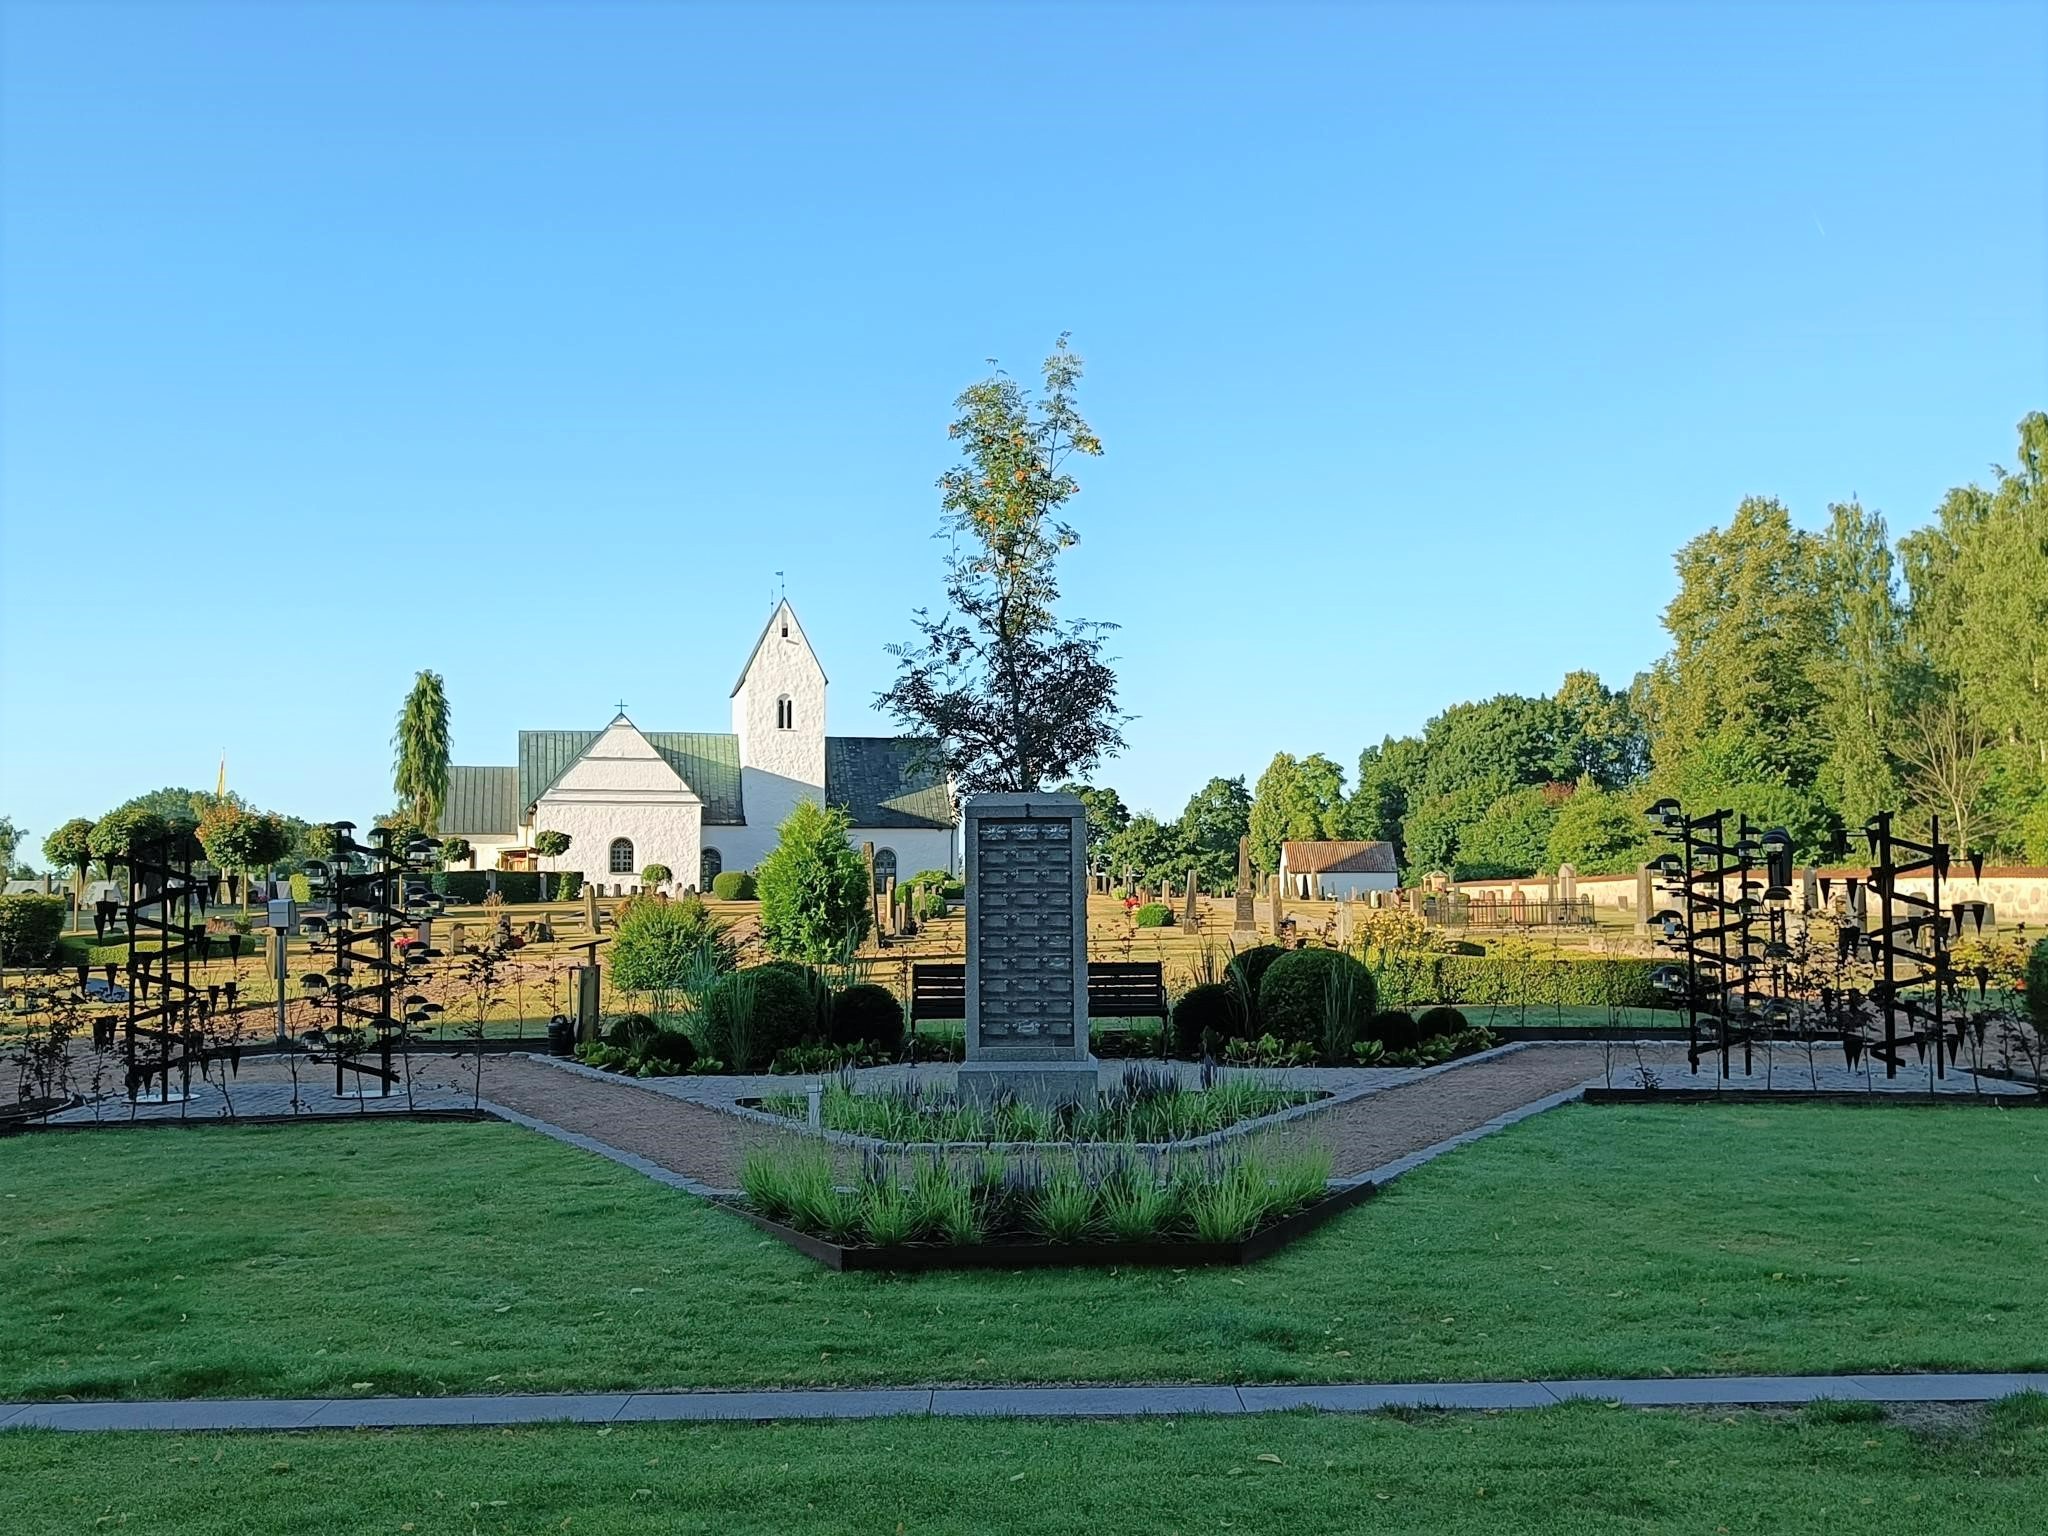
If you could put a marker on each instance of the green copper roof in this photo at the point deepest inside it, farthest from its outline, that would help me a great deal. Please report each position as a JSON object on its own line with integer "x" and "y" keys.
{"x": 482, "y": 802}
{"x": 708, "y": 761}
{"x": 884, "y": 782}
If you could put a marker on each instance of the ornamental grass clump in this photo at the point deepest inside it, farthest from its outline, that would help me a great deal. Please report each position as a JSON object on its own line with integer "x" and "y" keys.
{"x": 1064, "y": 1209}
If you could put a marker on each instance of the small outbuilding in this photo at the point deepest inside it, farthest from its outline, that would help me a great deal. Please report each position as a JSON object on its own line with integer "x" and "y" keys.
{"x": 1337, "y": 869}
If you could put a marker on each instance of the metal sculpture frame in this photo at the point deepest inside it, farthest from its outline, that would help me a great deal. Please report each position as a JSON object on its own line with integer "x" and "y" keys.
{"x": 1909, "y": 946}
{"x": 379, "y": 893}
{"x": 1712, "y": 933}
{"x": 168, "y": 1033}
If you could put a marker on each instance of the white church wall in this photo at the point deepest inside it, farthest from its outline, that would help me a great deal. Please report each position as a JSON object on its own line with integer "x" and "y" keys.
{"x": 916, "y": 850}
{"x": 622, "y": 788}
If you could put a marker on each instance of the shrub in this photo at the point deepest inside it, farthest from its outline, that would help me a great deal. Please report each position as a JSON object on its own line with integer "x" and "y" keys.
{"x": 629, "y": 1031}
{"x": 865, "y": 1014}
{"x": 814, "y": 888}
{"x": 551, "y": 844}
{"x": 733, "y": 885}
{"x": 670, "y": 1047}
{"x": 667, "y": 947}
{"x": 1294, "y": 993}
{"x": 752, "y": 1015}
{"x": 1246, "y": 970}
{"x": 1154, "y": 914}
{"x": 656, "y": 875}
{"x": 302, "y": 889}
{"x": 1440, "y": 1021}
{"x": 1395, "y": 1030}
{"x": 568, "y": 885}
{"x": 1206, "y": 1016}
{"x": 468, "y": 887}
{"x": 29, "y": 926}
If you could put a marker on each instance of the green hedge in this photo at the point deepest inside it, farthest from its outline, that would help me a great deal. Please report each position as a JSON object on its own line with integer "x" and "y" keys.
{"x": 733, "y": 885}
{"x": 1154, "y": 914}
{"x": 2037, "y": 985}
{"x": 1484, "y": 981}
{"x": 29, "y": 925}
{"x": 519, "y": 887}
{"x": 75, "y": 948}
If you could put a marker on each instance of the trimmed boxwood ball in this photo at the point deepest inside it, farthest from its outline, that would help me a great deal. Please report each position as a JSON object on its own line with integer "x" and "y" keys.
{"x": 1251, "y": 965}
{"x": 628, "y": 1030}
{"x": 1206, "y": 1012}
{"x": 671, "y": 1046}
{"x": 1292, "y": 992}
{"x": 1442, "y": 1020}
{"x": 1154, "y": 914}
{"x": 1395, "y": 1029}
{"x": 865, "y": 1014}
{"x": 733, "y": 885}
{"x": 785, "y": 1013}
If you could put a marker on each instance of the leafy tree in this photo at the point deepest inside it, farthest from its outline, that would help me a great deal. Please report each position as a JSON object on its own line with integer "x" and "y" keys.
{"x": 1389, "y": 775}
{"x": 455, "y": 850}
{"x": 1295, "y": 800}
{"x": 119, "y": 835}
{"x": 1147, "y": 847}
{"x": 1600, "y": 735}
{"x": 1430, "y": 833}
{"x": 236, "y": 838}
{"x": 70, "y": 847}
{"x": 1497, "y": 744}
{"x": 1943, "y": 749}
{"x": 551, "y": 845}
{"x": 317, "y": 841}
{"x": 419, "y": 769}
{"x": 1600, "y": 831}
{"x": 1861, "y": 674}
{"x": 10, "y": 839}
{"x": 813, "y": 888}
{"x": 1215, "y": 817}
{"x": 1735, "y": 709}
{"x": 1512, "y": 838}
{"x": 170, "y": 804}
{"x": 1009, "y": 696}
{"x": 656, "y": 875}
{"x": 1107, "y": 813}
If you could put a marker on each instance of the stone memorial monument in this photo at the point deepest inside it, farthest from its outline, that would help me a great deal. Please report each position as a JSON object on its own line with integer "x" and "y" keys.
{"x": 1244, "y": 926}
{"x": 1190, "y": 919}
{"x": 1027, "y": 950}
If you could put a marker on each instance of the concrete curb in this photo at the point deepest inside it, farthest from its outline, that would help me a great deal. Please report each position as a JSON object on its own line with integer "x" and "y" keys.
{"x": 979, "y": 1402}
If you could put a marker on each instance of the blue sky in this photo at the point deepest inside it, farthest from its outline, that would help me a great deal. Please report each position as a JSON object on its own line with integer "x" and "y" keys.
{"x": 527, "y": 342}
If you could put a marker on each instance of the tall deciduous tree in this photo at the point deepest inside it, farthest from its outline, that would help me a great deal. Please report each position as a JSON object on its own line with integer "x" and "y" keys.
{"x": 1009, "y": 695}
{"x": 1861, "y": 673}
{"x": 70, "y": 847}
{"x": 1106, "y": 811}
{"x": 419, "y": 768}
{"x": 1215, "y": 817}
{"x": 1295, "y": 800}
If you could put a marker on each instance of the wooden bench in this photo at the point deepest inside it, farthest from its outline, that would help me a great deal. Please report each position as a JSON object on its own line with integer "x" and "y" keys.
{"x": 1117, "y": 989}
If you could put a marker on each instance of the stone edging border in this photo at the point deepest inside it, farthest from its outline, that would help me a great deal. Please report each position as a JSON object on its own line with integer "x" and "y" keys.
{"x": 974, "y": 1402}
{"x": 1335, "y": 1099}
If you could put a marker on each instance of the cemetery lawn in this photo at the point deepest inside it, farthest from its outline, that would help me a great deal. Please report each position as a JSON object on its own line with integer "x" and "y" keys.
{"x": 1578, "y": 1470}
{"x": 437, "y": 1258}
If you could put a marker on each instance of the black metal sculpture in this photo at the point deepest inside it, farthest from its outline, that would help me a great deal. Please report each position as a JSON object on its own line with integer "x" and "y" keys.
{"x": 170, "y": 1024}
{"x": 374, "y": 937}
{"x": 1909, "y": 946}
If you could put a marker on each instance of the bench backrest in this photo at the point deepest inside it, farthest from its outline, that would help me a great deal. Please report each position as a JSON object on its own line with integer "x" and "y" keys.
{"x": 1117, "y": 989}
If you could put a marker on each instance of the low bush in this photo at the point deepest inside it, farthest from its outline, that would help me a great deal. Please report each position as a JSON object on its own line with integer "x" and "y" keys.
{"x": 1395, "y": 1030}
{"x": 670, "y": 1047}
{"x": 1247, "y": 969}
{"x": 753, "y": 1015}
{"x": 733, "y": 885}
{"x": 1440, "y": 1021}
{"x": 1440, "y": 1048}
{"x": 29, "y": 926}
{"x": 867, "y": 1015}
{"x": 1205, "y": 1017}
{"x": 568, "y": 884}
{"x": 1300, "y": 990}
{"x": 1154, "y": 914}
{"x": 629, "y": 1031}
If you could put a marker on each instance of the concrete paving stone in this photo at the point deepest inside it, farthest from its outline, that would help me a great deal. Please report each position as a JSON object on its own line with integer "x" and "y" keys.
{"x": 1081, "y": 1402}
{"x": 1373, "y": 1398}
{"x": 1669, "y": 1392}
{"x": 224, "y": 1413}
{"x": 1951, "y": 1387}
{"x": 746, "y": 1407}
{"x": 531, "y": 1408}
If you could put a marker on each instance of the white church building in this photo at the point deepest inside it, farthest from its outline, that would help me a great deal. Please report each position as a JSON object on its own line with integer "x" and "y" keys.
{"x": 705, "y": 802}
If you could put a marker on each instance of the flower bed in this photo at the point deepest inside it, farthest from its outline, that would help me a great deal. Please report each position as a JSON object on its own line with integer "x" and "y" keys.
{"x": 1146, "y": 1104}
{"x": 1078, "y": 1205}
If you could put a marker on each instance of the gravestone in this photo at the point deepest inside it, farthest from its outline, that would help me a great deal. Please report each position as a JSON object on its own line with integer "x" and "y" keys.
{"x": 590, "y": 909}
{"x": 1027, "y": 950}
{"x": 893, "y": 912}
{"x": 1244, "y": 924}
{"x": 1567, "y": 883}
{"x": 1809, "y": 890}
{"x": 1646, "y": 898}
{"x": 867, "y": 858}
{"x": 1273, "y": 910}
{"x": 1344, "y": 921}
{"x": 1190, "y": 919}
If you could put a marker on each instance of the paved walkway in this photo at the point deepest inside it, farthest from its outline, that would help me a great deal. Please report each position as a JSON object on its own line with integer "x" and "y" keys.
{"x": 1001, "y": 1402}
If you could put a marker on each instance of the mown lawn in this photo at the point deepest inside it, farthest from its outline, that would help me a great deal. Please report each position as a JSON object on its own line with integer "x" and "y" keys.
{"x": 1572, "y": 1471}
{"x": 462, "y": 1258}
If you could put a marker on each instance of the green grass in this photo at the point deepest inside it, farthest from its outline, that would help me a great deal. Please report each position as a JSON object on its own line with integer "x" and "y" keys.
{"x": 1571, "y": 1471}
{"x": 464, "y": 1258}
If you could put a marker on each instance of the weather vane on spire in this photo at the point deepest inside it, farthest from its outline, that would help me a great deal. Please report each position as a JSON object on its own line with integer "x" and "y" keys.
{"x": 781, "y": 588}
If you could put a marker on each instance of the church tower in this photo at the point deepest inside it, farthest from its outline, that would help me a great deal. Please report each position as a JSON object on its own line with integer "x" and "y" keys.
{"x": 778, "y": 714}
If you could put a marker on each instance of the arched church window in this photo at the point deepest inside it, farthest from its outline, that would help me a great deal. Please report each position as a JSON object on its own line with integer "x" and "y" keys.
{"x": 622, "y": 856}
{"x": 885, "y": 866}
{"x": 710, "y": 867}
{"x": 785, "y": 713}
